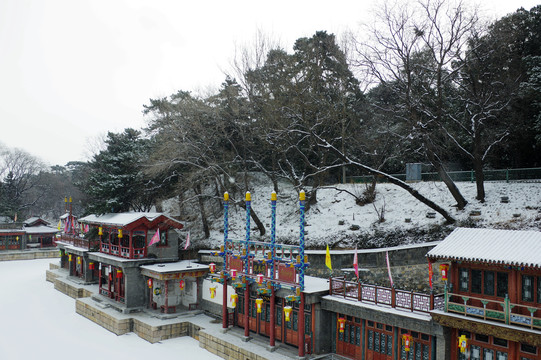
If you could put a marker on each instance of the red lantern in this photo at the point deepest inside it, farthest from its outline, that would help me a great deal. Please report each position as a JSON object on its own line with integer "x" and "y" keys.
{"x": 406, "y": 340}
{"x": 341, "y": 324}
{"x": 444, "y": 268}
{"x": 181, "y": 284}
{"x": 233, "y": 273}
{"x": 260, "y": 279}
{"x": 118, "y": 274}
{"x": 212, "y": 267}
{"x": 149, "y": 283}
{"x": 91, "y": 266}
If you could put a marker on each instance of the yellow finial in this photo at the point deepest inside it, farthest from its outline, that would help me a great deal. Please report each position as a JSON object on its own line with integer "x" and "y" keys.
{"x": 226, "y": 196}
{"x": 302, "y": 195}
{"x": 273, "y": 196}
{"x": 70, "y": 198}
{"x": 248, "y": 196}
{"x": 65, "y": 199}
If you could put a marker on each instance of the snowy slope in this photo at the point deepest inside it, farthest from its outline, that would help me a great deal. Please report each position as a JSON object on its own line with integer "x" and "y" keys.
{"x": 523, "y": 211}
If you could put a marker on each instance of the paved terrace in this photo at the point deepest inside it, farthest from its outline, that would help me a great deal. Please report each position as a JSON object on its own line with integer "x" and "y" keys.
{"x": 155, "y": 326}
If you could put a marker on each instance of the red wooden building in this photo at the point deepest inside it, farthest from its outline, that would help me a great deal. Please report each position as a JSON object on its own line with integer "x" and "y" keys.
{"x": 493, "y": 298}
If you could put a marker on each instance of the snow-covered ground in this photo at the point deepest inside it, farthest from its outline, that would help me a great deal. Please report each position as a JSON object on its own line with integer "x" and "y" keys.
{"x": 523, "y": 211}
{"x": 38, "y": 322}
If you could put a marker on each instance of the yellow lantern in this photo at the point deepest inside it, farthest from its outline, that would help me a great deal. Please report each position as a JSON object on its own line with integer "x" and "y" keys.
{"x": 79, "y": 260}
{"x": 120, "y": 233}
{"x": 259, "y": 304}
{"x": 341, "y": 324}
{"x": 69, "y": 257}
{"x": 406, "y": 340}
{"x": 234, "y": 298}
{"x": 287, "y": 312}
{"x": 212, "y": 292}
{"x": 100, "y": 231}
{"x": 462, "y": 343}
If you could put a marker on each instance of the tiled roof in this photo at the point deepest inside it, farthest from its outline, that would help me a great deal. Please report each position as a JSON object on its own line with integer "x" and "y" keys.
{"x": 506, "y": 247}
{"x": 122, "y": 219}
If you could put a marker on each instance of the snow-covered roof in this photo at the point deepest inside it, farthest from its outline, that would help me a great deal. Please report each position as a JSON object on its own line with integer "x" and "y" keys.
{"x": 507, "y": 247}
{"x": 175, "y": 267}
{"x": 314, "y": 284}
{"x": 35, "y": 219}
{"x": 123, "y": 219}
{"x": 66, "y": 215}
{"x": 40, "y": 229}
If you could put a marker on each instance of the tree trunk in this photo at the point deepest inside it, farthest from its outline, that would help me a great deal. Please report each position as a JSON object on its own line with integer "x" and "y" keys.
{"x": 254, "y": 217}
{"x": 204, "y": 219}
{"x": 455, "y": 192}
{"x": 392, "y": 180}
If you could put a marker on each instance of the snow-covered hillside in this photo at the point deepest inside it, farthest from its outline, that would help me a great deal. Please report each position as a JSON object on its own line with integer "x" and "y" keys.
{"x": 336, "y": 219}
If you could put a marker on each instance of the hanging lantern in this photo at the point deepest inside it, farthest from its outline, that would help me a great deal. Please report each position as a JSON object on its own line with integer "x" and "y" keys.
{"x": 16, "y": 238}
{"x": 118, "y": 274}
{"x": 149, "y": 283}
{"x": 462, "y": 343}
{"x": 181, "y": 284}
{"x": 444, "y": 268}
{"x": 100, "y": 231}
{"x": 259, "y": 304}
{"x": 69, "y": 257}
{"x": 212, "y": 292}
{"x": 233, "y": 273}
{"x": 29, "y": 237}
{"x": 78, "y": 260}
{"x": 120, "y": 233}
{"x": 91, "y": 266}
{"x": 341, "y": 324}
{"x": 287, "y": 312}
{"x": 406, "y": 340}
{"x": 212, "y": 267}
{"x": 234, "y": 298}
{"x": 260, "y": 279}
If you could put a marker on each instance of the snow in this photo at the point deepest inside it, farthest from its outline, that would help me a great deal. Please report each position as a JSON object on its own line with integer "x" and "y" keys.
{"x": 322, "y": 220}
{"x": 39, "y": 322}
{"x": 509, "y": 247}
{"x": 179, "y": 266}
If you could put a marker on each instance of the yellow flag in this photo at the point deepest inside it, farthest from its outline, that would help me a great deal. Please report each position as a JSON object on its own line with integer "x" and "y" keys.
{"x": 59, "y": 224}
{"x": 328, "y": 259}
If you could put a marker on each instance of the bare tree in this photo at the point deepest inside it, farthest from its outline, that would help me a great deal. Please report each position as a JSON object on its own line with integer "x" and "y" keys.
{"x": 411, "y": 52}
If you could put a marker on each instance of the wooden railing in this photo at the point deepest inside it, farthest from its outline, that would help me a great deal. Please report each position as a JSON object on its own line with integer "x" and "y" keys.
{"x": 384, "y": 296}
{"x": 121, "y": 251}
{"x": 79, "y": 241}
{"x": 501, "y": 311}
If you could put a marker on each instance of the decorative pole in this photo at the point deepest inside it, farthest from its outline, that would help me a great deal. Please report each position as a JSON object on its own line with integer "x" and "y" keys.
{"x": 301, "y": 340}
{"x": 272, "y": 276}
{"x": 246, "y": 246}
{"x": 273, "y": 232}
{"x": 224, "y": 269}
{"x": 302, "y": 197}
{"x": 245, "y": 278}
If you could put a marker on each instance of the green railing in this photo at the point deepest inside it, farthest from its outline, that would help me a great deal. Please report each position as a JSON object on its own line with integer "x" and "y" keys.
{"x": 501, "y": 311}
{"x": 490, "y": 175}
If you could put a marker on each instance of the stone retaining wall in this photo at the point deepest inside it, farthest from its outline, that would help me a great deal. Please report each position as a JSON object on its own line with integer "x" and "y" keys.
{"x": 28, "y": 254}
{"x": 224, "y": 349}
{"x": 70, "y": 290}
{"x": 50, "y": 276}
{"x": 115, "y": 325}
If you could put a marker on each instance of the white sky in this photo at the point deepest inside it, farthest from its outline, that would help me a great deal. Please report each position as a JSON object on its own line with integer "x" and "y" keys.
{"x": 72, "y": 70}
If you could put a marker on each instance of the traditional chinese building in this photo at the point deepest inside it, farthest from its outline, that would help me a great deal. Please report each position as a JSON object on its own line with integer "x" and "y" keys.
{"x": 127, "y": 242}
{"x": 34, "y": 233}
{"x": 492, "y": 303}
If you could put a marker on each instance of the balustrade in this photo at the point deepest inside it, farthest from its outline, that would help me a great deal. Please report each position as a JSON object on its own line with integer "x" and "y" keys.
{"x": 384, "y": 296}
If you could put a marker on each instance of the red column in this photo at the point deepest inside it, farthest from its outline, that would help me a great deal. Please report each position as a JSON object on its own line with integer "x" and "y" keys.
{"x": 300, "y": 328}
{"x": 272, "y": 318}
{"x": 224, "y": 303}
{"x": 246, "y": 310}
